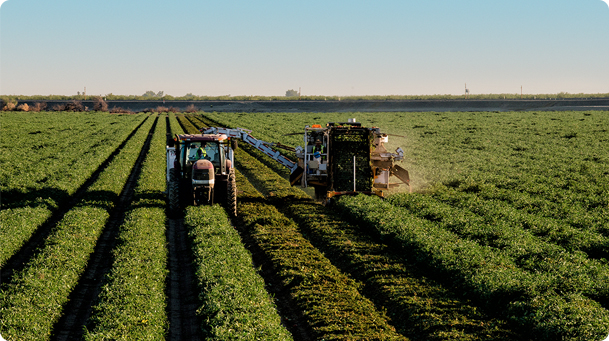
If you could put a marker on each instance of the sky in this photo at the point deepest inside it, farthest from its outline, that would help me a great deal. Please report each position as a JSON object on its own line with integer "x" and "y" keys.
{"x": 329, "y": 47}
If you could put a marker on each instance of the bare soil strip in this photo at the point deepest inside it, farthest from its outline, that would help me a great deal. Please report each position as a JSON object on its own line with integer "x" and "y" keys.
{"x": 184, "y": 324}
{"x": 77, "y": 311}
{"x": 29, "y": 249}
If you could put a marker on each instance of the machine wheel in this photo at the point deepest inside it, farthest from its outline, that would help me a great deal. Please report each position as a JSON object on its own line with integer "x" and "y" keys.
{"x": 231, "y": 194}
{"x": 173, "y": 191}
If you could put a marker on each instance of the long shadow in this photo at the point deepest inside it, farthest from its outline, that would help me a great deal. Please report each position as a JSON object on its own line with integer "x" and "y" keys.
{"x": 31, "y": 247}
{"x": 80, "y": 302}
{"x": 33, "y": 197}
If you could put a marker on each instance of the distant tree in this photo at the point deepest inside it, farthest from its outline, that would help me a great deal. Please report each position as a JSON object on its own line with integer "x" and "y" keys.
{"x": 291, "y": 93}
{"x": 153, "y": 94}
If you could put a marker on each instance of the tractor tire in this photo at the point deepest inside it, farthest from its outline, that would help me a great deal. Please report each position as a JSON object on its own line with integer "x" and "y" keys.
{"x": 231, "y": 194}
{"x": 173, "y": 192}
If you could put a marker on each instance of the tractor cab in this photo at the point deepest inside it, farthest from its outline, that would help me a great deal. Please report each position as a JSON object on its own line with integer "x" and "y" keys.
{"x": 201, "y": 165}
{"x": 213, "y": 148}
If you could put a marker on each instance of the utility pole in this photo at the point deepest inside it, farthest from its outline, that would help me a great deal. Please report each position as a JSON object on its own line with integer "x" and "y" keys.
{"x": 85, "y": 93}
{"x": 521, "y": 92}
{"x": 299, "y": 93}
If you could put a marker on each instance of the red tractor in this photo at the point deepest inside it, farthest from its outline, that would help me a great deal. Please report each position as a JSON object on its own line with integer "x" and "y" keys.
{"x": 200, "y": 171}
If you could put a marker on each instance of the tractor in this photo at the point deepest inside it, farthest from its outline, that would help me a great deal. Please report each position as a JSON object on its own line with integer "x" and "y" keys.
{"x": 200, "y": 171}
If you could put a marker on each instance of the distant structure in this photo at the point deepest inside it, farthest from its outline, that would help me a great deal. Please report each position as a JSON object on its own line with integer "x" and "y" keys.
{"x": 466, "y": 91}
{"x": 291, "y": 93}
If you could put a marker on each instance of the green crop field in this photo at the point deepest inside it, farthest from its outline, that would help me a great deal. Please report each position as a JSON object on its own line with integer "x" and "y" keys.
{"x": 505, "y": 236}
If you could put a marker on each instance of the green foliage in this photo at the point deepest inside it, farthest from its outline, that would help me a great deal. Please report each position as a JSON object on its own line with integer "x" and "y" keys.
{"x": 329, "y": 299}
{"x": 132, "y": 300}
{"x": 234, "y": 301}
{"x": 43, "y": 164}
{"x": 33, "y": 301}
{"x": 530, "y": 298}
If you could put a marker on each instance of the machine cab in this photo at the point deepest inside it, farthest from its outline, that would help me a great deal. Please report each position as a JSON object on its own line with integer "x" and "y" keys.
{"x": 191, "y": 148}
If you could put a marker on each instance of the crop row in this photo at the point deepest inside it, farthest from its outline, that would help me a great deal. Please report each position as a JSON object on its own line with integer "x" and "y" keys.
{"x": 550, "y": 307}
{"x": 50, "y": 156}
{"x": 418, "y": 307}
{"x": 329, "y": 300}
{"x": 562, "y": 270}
{"x": 132, "y": 301}
{"x": 479, "y": 204}
{"x": 234, "y": 302}
{"x": 34, "y": 187}
{"x": 33, "y": 301}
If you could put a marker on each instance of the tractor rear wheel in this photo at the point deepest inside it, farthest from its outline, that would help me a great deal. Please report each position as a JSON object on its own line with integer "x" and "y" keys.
{"x": 231, "y": 194}
{"x": 173, "y": 191}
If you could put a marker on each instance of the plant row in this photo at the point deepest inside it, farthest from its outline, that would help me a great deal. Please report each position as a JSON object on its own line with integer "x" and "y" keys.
{"x": 33, "y": 301}
{"x": 549, "y": 306}
{"x": 418, "y": 307}
{"x": 131, "y": 304}
{"x": 234, "y": 301}
{"x": 50, "y": 156}
{"x": 34, "y": 187}
{"x": 565, "y": 271}
{"x": 329, "y": 300}
{"x": 480, "y": 204}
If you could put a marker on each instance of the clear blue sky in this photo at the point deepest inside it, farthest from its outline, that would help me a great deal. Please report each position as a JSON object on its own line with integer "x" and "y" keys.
{"x": 329, "y": 47}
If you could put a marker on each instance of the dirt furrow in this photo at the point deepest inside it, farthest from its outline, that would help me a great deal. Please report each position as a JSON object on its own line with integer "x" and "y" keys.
{"x": 184, "y": 324}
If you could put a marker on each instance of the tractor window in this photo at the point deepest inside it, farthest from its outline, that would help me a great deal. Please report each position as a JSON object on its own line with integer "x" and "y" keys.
{"x": 212, "y": 153}
{"x": 194, "y": 152}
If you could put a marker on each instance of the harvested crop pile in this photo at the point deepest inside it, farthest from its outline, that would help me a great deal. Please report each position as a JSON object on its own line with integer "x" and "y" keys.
{"x": 346, "y": 144}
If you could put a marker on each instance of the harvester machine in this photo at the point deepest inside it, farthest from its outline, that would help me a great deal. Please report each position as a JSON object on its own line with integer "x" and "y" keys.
{"x": 341, "y": 158}
{"x": 347, "y": 158}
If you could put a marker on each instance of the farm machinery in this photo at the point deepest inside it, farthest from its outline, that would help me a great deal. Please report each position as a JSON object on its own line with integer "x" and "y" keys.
{"x": 340, "y": 158}
{"x": 200, "y": 171}
{"x": 347, "y": 158}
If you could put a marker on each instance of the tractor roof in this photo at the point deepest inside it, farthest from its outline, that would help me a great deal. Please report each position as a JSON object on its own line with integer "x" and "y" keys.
{"x": 201, "y": 137}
